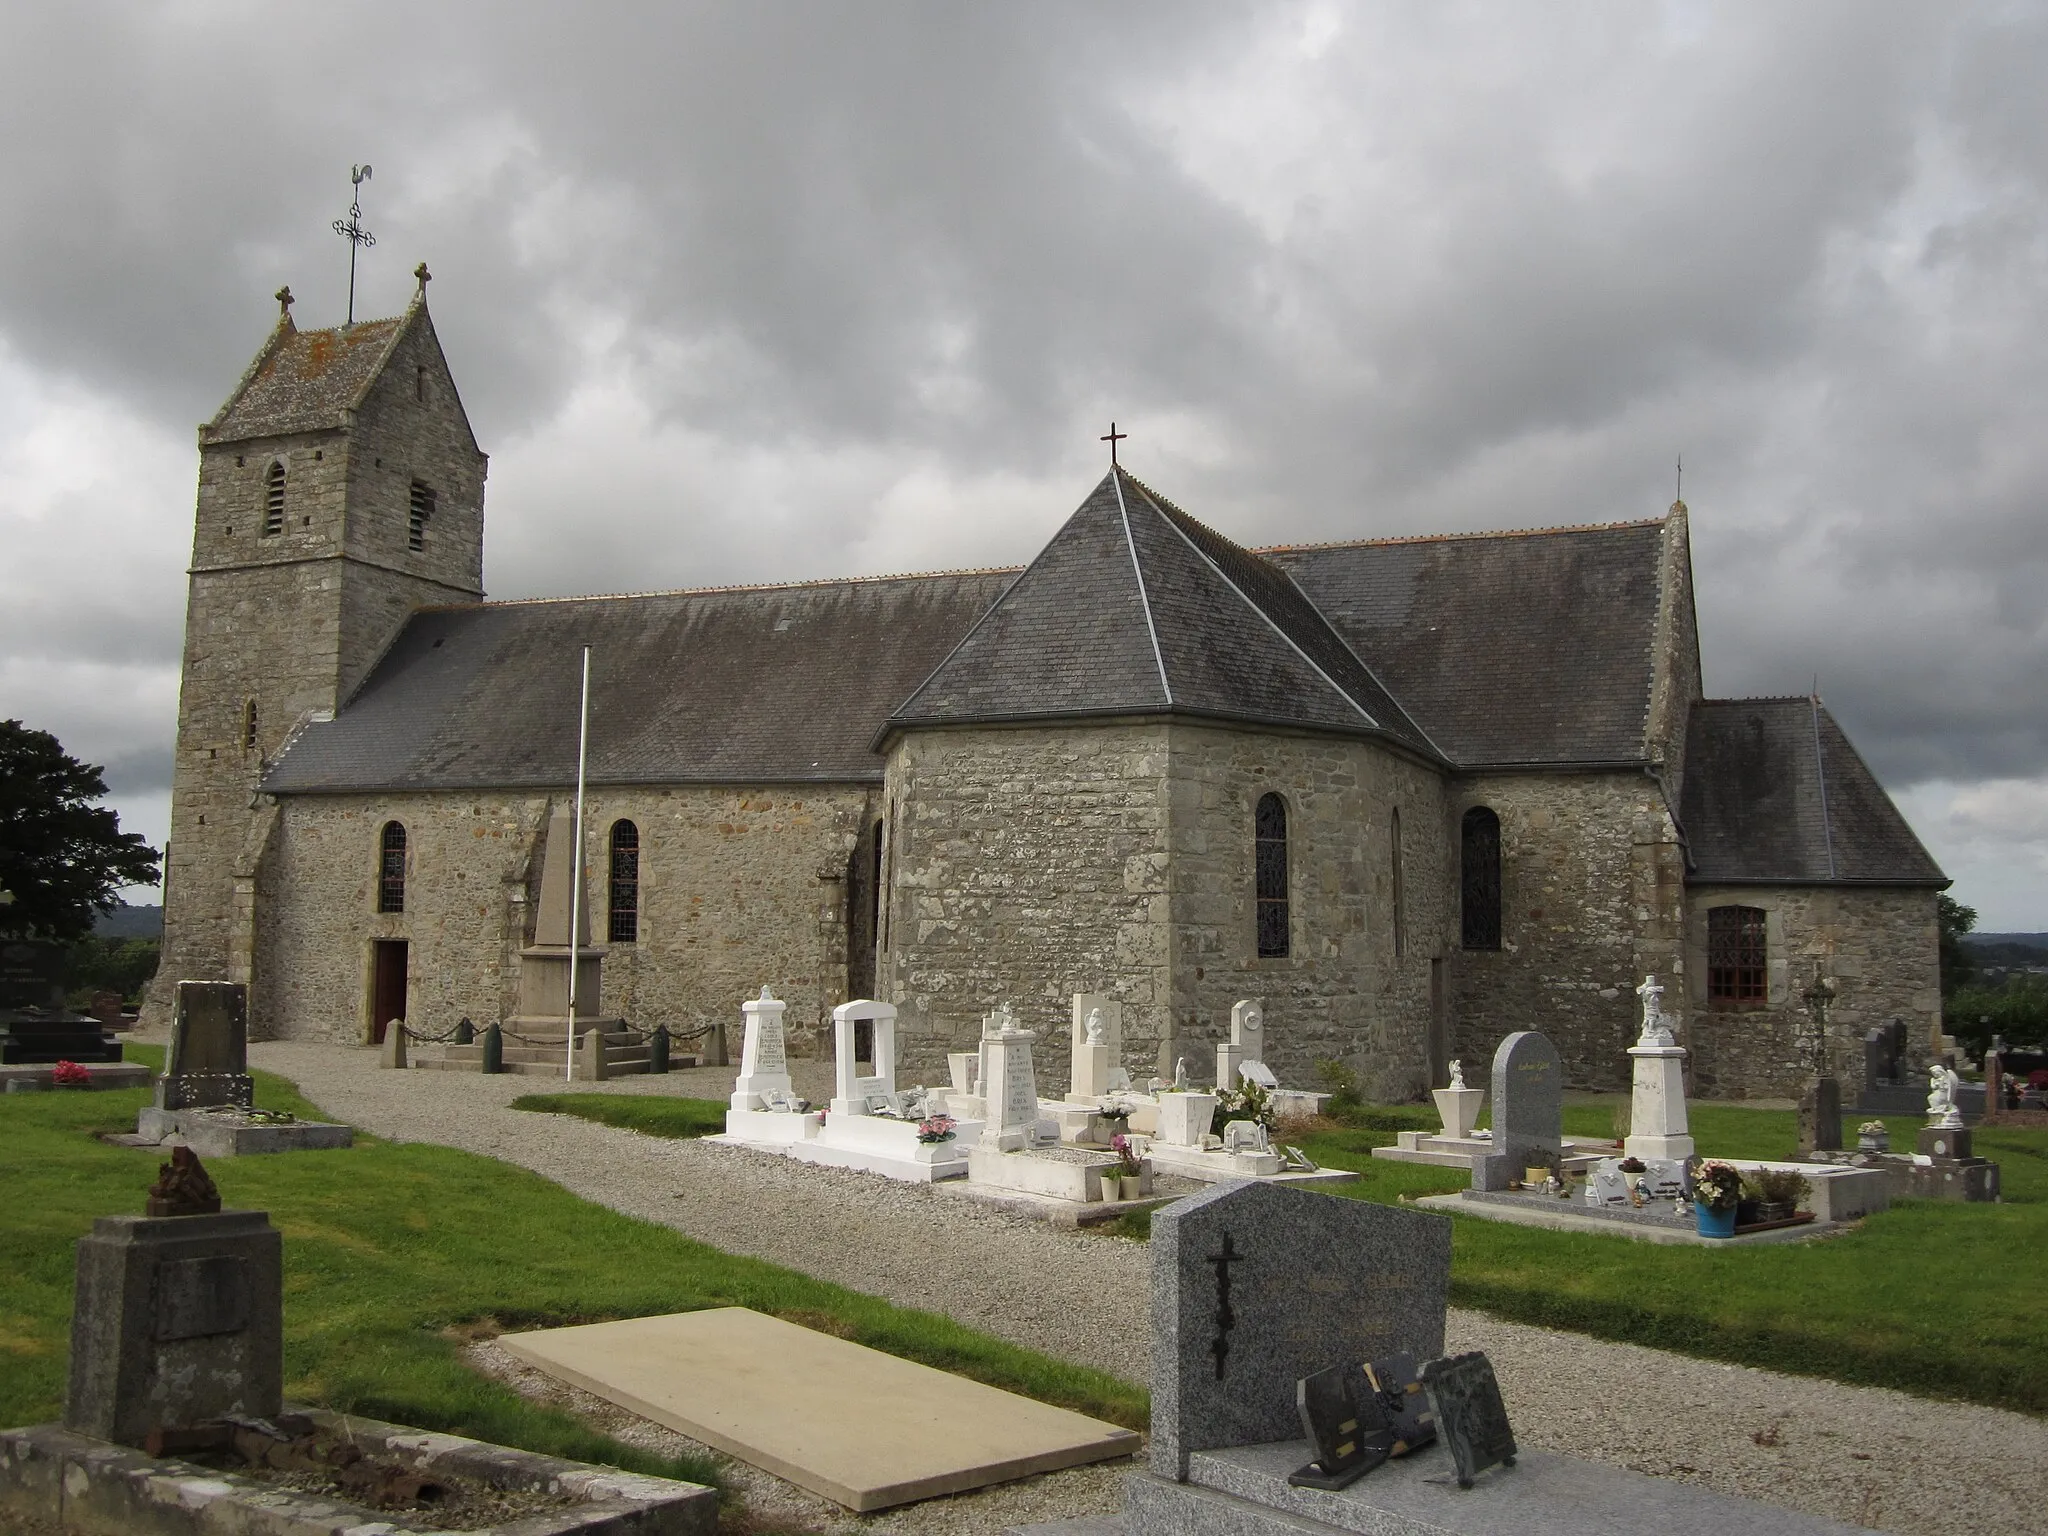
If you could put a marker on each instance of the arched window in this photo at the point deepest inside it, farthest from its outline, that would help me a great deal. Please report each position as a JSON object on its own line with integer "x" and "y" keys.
{"x": 1400, "y": 888}
{"x": 1479, "y": 863}
{"x": 1737, "y": 959}
{"x": 391, "y": 868}
{"x": 624, "y": 924}
{"x": 273, "y": 498}
{"x": 1269, "y": 868}
{"x": 248, "y": 725}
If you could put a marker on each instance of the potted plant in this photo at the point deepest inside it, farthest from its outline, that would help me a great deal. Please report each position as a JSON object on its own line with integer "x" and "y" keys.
{"x": 934, "y": 1129}
{"x": 1777, "y": 1192}
{"x": 1130, "y": 1166}
{"x": 1716, "y": 1188}
{"x": 1113, "y": 1182}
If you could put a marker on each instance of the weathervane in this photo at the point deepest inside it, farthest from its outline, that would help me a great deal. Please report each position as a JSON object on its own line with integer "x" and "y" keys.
{"x": 351, "y": 229}
{"x": 1113, "y": 438}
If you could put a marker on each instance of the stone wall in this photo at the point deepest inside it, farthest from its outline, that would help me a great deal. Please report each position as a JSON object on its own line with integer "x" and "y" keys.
{"x": 1023, "y": 866}
{"x": 289, "y": 622}
{"x": 738, "y": 887}
{"x": 1878, "y": 946}
{"x": 1592, "y": 899}
{"x": 1341, "y": 993}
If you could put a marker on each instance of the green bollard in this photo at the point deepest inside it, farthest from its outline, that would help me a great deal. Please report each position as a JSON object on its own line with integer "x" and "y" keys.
{"x": 465, "y": 1032}
{"x": 657, "y": 1049}
{"x": 494, "y": 1049}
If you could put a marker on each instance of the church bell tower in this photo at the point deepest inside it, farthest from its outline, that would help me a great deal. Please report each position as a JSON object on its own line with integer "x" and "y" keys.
{"x": 340, "y": 489}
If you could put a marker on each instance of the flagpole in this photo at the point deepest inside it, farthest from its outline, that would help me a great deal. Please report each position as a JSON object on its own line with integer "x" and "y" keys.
{"x": 576, "y": 866}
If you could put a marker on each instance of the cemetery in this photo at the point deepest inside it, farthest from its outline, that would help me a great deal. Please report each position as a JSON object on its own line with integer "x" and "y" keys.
{"x": 1300, "y": 1374}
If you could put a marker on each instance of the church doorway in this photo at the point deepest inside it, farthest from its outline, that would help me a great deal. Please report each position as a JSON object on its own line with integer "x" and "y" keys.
{"x": 387, "y": 985}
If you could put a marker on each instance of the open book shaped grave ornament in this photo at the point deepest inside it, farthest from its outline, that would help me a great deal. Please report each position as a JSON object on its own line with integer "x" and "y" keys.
{"x": 1343, "y": 1424}
{"x": 1398, "y": 1386}
{"x": 1470, "y": 1416}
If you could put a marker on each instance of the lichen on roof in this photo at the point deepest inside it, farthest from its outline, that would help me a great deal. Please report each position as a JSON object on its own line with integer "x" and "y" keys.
{"x": 305, "y": 380}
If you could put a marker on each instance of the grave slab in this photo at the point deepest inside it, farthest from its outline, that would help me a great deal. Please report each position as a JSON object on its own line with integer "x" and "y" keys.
{"x": 865, "y": 1429}
{"x": 1568, "y": 1216}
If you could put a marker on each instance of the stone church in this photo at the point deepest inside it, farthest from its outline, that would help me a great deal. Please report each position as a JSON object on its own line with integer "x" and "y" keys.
{"x": 1413, "y": 793}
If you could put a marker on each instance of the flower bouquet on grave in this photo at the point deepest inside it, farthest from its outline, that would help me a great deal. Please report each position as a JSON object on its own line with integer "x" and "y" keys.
{"x": 934, "y": 1129}
{"x": 1247, "y": 1101}
{"x": 69, "y": 1074}
{"x": 1716, "y": 1188}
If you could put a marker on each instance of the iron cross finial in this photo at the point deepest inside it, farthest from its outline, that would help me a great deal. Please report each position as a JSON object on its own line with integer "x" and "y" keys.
{"x": 284, "y": 299}
{"x": 351, "y": 229}
{"x": 424, "y": 276}
{"x": 1113, "y": 437}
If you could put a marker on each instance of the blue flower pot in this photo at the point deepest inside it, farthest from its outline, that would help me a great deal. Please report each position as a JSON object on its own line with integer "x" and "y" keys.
{"x": 1714, "y": 1223}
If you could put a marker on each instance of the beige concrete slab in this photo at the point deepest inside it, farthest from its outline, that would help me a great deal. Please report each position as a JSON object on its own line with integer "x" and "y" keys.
{"x": 866, "y": 1429}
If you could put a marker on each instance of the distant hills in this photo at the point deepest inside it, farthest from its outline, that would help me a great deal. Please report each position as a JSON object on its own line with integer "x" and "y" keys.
{"x": 130, "y": 923}
{"x": 2007, "y": 949}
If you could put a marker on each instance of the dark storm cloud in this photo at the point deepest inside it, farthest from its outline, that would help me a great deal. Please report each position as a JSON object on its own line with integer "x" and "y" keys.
{"x": 737, "y": 292}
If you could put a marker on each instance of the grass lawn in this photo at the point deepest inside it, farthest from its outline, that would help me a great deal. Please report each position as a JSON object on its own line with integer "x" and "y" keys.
{"x": 1938, "y": 1299}
{"x": 392, "y": 1254}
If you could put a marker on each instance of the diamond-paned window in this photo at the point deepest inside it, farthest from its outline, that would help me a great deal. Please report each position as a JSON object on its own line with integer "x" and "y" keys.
{"x": 1737, "y": 956}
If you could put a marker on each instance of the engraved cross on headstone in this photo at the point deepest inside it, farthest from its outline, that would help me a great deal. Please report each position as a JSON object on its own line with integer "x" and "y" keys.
{"x": 1226, "y": 1320}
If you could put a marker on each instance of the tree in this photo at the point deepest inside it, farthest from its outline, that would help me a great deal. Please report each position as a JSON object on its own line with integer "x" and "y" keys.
{"x": 62, "y": 858}
{"x": 1953, "y": 919}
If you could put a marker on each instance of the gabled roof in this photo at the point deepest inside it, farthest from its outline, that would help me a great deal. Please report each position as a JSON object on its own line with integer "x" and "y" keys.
{"x": 303, "y": 381}
{"x": 1136, "y": 608}
{"x": 1775, "y": 794}
{"x": 737, "y": 685}
{"x": 1509, "y": 649}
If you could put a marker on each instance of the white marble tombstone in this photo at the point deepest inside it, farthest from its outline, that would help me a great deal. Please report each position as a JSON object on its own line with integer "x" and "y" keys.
{"x": 1247, "y": 1041}
{"x": 1184, "y": 1117}
{"x": 764, "y": 1065}
{"x": 1458, "y": 1105}
{"x": 1111, "y": 1013}
{"x": 1090, "y": 1076}
{"x": 1009, "y": 1084}
{"x": 854, "y": 1091}
{"x": 1657, "y": 1124}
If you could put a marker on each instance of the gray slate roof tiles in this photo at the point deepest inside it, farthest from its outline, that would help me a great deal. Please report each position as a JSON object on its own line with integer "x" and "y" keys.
{"x": 1774, "y": 792}
{"x": 752, "y": 685}
{"x": 1508, "y": 648}
{"x": 305, "y": 380}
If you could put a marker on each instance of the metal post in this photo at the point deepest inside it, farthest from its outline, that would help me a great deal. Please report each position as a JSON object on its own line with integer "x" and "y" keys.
{"x": 657, "y": 1049}
{"x": 494, "y": 1050}
{"x": 576, "y": 868}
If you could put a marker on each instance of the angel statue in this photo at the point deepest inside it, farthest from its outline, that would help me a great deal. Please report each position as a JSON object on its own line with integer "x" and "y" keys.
{"x": 1457, "y": 1074}
{"x": 1941, "y": 1098}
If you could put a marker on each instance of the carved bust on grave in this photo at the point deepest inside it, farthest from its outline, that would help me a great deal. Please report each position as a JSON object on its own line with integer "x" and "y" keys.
{"x": 1095, "y": 1026}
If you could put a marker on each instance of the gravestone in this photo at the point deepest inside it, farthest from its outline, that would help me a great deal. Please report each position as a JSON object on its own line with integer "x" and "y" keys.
{"x": 205, "y": 1096}
{"x": 35, "y": 1026}
{"x": 1528, "y": 1110}
{"x": 1255, "y": 1286}
{"x": 1820, "y": 1116}
{"x": 764, "y": 1061}
{"x": 176, "y": 1321}
{"x": 1657, "y": 1121}
{"x": 1010, "y": 1085}
{"x": 1247, "y": 1043}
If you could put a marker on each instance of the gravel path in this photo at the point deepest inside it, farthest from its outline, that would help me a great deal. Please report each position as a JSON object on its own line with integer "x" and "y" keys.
{"x": 1865, "y": 1455}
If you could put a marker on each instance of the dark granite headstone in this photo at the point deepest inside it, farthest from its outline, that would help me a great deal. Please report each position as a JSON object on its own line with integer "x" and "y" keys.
{"x": 1528, "y": 1110}
{"x": 1470, "y": 1417}
{"x": 35, "y": 1026}
{"x": 1343, "y": 1425}
{"x": 1820, "y": 1116}
{"x": 208, "y": 1062}
{"x": 1255, "y": 1286}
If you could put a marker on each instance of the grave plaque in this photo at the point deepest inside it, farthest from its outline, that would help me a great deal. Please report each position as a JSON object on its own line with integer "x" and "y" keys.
{"x": 1255, "y": 1286}
{"x": 197, "y": 1298}
{"x": 1344, "y": 1427}
{"x": 1470, "y": 1417}
{"x": 1398, "y": 1386}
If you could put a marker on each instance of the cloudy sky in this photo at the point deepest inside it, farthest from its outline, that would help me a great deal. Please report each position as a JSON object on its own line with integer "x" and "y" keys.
{"x": 756, "y": 290}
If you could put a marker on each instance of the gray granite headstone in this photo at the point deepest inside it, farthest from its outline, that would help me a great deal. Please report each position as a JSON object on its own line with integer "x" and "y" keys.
{"x": 176, "y": 1321}
{"x": 208, "y": 1063}
{"x": 1528, "y": 1109}
{"x": 1255, "y": 1286}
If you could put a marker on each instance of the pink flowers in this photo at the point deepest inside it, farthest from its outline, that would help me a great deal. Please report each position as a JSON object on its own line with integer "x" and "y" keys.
{"x": 935, "y": 1128}
{"x": 69, "y": 1074}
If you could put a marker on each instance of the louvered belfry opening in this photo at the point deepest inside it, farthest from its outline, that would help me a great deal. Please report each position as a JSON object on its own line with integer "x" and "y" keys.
{"x": 391, "y": 868}
{"x": 421, "y": 513}
{"x": 1480, "y": 878}
{"x": 1737, "y": 956}
{"x": 623, "y": 925}
{"x": 273, "y": 499}
{"x": 1269, "y": 862}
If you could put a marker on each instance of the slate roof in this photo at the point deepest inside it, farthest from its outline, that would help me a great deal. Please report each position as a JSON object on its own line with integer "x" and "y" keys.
{"x": 306, "y": 380}
{"x": 737, "y": 685}
{"x": 1134, "y": 608}
{"x": 1534, "y": 648}
{"x": 1775, "y": 794}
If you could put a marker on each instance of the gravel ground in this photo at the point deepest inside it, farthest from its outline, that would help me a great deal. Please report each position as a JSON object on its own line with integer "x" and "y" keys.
{"x": 1861, "y": 1454}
